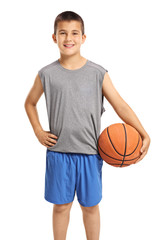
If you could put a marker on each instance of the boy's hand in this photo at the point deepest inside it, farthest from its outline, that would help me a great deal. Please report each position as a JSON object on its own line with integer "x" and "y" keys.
{"x": 144, "y": 148}
{"x": 46, "y": 138}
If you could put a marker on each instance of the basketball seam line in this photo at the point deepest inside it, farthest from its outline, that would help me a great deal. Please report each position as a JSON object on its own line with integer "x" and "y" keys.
{"x": 117, "y": 158}
{"x": 111, "y": 142}
{"x": 116, "y": 149}
{"x": 125, "y": 145}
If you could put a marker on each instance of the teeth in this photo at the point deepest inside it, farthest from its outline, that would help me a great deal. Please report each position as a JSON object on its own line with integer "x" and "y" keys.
{"x": 69, "y": 45}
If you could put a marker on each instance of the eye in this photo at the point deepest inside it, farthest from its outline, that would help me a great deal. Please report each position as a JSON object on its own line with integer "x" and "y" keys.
{"x": 64, "y": 33}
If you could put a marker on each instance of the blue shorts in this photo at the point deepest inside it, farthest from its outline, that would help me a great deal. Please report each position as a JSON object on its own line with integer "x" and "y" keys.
{"x": 70, "y": 172}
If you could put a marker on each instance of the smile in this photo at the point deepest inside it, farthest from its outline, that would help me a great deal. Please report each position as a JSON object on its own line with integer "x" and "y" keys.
{"x": 68, "y": 45}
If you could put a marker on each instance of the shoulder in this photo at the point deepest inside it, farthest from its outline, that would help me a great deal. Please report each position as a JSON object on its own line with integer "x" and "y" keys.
{"x": 97, "y": 67}
{"x": 47, "y": 68}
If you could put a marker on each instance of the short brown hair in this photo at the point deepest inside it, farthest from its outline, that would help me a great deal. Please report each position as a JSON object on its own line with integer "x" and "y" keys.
{"x": 68, "y": 16}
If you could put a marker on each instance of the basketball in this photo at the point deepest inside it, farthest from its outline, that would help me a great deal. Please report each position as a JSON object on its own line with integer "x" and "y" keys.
{"x": 119, "y": 145}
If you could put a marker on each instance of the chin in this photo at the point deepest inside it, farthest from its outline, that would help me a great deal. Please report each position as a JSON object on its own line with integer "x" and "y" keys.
{"x": 68, "y": 53}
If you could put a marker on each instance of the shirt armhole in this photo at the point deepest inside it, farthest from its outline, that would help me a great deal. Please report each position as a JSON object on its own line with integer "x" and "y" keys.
{"x": 42, "y": 78}
{"x": 103, "y": 108}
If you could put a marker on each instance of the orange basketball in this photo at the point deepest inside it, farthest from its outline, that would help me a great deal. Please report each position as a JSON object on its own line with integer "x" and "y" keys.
{"x": 119, "y": 145}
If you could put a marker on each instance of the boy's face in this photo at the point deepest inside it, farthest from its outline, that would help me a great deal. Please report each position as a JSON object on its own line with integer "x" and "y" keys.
{"x": 69, "y": 32}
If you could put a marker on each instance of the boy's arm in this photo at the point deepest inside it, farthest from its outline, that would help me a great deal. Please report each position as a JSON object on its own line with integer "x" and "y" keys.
{"x": 45, "y": 137}
{"x": 124, "y": 111}
{"x": 30, "y": 104}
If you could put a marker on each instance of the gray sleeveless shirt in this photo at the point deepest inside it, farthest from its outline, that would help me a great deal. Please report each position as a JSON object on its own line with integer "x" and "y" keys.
{"x": 74, "y": 102}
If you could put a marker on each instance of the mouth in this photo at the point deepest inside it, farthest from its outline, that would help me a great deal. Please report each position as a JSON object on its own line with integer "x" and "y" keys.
{"x": 68, "y": 45}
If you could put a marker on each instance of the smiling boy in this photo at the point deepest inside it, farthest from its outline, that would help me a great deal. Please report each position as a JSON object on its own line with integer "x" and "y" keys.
{"x": 74, "y": 89}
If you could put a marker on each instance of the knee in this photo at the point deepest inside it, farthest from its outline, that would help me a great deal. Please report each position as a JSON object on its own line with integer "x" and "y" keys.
{"x": 91, "y": 210}
{"x": 60, "y": 208}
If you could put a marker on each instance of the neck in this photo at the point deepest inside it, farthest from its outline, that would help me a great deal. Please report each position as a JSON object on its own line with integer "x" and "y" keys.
{"x": 72, "y": 61}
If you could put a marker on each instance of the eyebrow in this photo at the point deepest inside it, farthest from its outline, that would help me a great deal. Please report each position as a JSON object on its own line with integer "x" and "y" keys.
{"x": 65, "y": 30}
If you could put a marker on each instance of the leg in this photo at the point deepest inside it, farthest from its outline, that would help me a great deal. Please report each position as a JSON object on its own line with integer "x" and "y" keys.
{"x": 61, "y": 214}
{"x": 91, "y": 219}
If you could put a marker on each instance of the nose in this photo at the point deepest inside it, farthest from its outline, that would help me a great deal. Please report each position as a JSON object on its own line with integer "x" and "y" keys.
{"x": 68, "y": 36}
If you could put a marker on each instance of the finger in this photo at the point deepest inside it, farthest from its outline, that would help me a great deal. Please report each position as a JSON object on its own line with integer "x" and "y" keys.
{"x": 141, "y": 157}
{"x": 49, "y": 143}
{"x": 45, "y": 145}
{"x": 143, "y": 149}
{"x": 52, "y": 135}
{"x": 51, "y": 140}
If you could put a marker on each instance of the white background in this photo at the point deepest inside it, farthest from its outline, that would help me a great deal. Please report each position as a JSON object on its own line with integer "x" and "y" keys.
{"x": 122, "y": 36}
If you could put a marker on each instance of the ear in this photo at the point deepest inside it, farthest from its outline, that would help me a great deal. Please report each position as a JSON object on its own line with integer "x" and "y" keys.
{"x": 83, "y": 38}
{"x": 54, "y": 38}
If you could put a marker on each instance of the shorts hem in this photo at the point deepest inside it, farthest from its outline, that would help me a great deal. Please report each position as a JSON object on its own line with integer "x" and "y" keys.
{"x": 55, "y": 202}
{"x": 89, "y": 205}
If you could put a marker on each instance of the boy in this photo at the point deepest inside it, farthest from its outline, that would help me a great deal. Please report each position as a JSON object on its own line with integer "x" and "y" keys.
{"x": 74, "y": 88}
